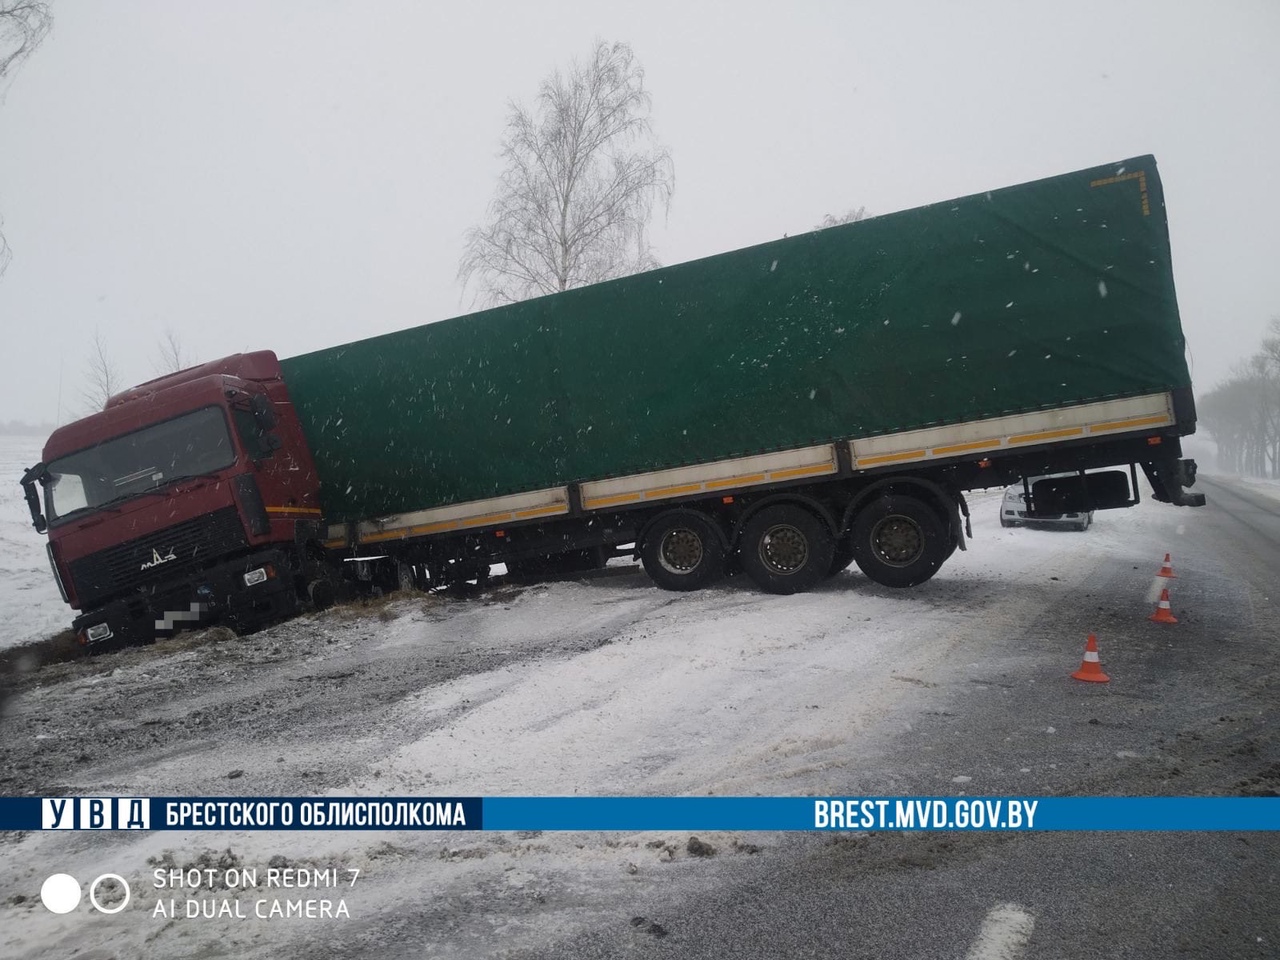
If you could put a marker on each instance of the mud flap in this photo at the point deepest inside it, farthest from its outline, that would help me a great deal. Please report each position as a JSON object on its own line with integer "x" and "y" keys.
{"x": 968, "y": 526}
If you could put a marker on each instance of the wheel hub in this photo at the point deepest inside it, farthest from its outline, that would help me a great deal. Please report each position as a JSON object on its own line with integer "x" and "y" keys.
{"x": 784, "y": 549}
{"x": 898, "y": 541}
{"x": 681, "y": 551}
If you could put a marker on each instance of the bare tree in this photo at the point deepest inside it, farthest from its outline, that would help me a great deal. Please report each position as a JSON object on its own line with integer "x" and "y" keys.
{"x": 101, "y": 380}
{"x": 852, "y": 215}
{"x": 583, "y": 175}
{"x": 23, "y": 24}
{"x": 172, "y": 356}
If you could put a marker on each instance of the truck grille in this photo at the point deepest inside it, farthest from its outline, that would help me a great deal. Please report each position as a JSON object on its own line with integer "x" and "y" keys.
{"x": 158, "y": 556}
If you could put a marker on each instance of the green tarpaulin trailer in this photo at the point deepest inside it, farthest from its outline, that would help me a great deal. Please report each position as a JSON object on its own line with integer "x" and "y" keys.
{"x": 1044, "y": 295}
{"x": 996, "y": 323}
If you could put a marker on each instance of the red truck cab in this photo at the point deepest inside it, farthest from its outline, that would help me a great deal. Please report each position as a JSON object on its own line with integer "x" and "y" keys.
{"x": 187, "y": 500}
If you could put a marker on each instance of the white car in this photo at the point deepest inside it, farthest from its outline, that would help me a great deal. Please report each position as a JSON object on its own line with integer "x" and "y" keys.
{"x": 1013, "y": 510}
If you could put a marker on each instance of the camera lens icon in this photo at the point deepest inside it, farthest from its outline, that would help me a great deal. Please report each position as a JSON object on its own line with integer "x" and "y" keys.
{"x": 61, "y": 893}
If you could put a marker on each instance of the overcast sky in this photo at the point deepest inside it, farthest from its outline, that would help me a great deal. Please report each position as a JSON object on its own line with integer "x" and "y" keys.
{"x": 296, "y": 174}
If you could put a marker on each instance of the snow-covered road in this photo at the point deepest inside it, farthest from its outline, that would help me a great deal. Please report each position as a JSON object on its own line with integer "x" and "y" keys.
{"x": 601, "y": 687}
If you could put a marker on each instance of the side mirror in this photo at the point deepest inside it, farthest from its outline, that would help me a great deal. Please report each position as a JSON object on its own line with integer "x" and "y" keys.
{"x": 29, "y": 480}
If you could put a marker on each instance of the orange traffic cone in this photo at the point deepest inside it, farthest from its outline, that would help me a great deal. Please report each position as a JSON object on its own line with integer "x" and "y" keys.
{"x": 1163, "y": 614}
{"x": 1167, "y": 570}
{"x": 1091, "y": 667}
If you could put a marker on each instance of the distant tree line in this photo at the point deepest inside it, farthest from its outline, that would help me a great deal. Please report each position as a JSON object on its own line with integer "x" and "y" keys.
{"x": 1243, "y": 413}
{"x": 20, "y": 428}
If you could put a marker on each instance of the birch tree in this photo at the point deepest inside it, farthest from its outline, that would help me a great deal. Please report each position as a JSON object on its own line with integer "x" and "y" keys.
{"x": 583, "y": 175}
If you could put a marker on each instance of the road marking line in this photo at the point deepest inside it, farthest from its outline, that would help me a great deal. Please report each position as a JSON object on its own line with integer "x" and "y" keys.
{"x": 1003, "y": 935}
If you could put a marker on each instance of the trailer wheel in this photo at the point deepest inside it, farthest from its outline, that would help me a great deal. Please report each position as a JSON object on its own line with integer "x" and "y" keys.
{"x": 786, "y": 549}
{"x": 842, "y": 556}
{"x": 900, "y": 541}
{"x": 682, "y": 551}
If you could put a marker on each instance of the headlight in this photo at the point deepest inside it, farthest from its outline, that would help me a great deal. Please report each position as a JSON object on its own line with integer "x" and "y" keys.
{"x": 260, "y": 575}
{"x": 99, "y": 632}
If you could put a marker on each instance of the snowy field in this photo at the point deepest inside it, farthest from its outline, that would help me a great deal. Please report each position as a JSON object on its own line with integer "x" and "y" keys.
{"x": 608, "y": 686}
{"x": 30, "y": 607}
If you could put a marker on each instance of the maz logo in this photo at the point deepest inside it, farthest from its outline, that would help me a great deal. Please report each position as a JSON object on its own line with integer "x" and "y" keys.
{"x": 156, "y": 559}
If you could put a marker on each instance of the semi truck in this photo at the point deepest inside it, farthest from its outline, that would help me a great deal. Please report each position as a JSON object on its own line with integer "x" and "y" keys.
{"x": 782, "y": 410}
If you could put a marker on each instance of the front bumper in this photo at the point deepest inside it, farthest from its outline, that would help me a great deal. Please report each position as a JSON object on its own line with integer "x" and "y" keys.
{"x": 218, "y": 594}
{"x": 1015, "y": 515}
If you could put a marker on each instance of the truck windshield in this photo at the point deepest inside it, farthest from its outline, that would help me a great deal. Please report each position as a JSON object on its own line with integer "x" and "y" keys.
{"x": 191, "y": 445}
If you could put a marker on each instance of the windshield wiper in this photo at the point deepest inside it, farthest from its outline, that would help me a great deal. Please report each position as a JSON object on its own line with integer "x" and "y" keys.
{"x": 168, "y": 481}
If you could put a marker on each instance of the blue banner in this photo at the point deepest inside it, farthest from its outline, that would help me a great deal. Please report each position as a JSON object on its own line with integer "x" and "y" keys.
{"x": 640, "y": 813}
{"x": 882, "y": 813}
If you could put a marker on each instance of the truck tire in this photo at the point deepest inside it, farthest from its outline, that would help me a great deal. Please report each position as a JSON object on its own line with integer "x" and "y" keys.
{"x": 322, "y": 593}
{"x": 842, "y": 556}
{"x": 786, "y": 549}
{"x": 899, "y": 541}
{"x": 682, "y": 551}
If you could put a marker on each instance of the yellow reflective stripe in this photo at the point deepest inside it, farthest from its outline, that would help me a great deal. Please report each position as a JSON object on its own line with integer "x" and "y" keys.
{"x": 1140, "y": 176}
{"x": 1048, "y": 435}
{"x": 1128, "y": 424}
{"x": 735, "y": 481}
{"x": 541, "y": 511}
{"x": 310, "y": 511}
{"x": 891, "y": 458}
{"x": 409, "y": 531}
{"x": 966, "y": 447}
{"x": 672, "y": 491}
{"x": 801, "y": 471}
